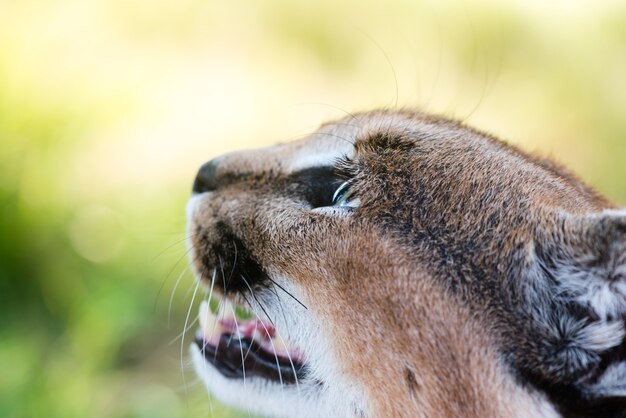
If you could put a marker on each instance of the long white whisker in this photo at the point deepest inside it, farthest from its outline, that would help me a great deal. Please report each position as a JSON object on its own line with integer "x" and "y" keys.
{"x": 243, "y": 366}
{"x": 223, "y": 275}
{"x": 182, "y": 333}
{"x": 230, "y": 276}
{"x": 220, "y": 311}
{"x": 293, "y": 367}
{"x": 174, "y": 244}
{"x": 203, "y": 350}
{"x": 169, "y": 307}
{"x": 156, "y": 299}
{"x": 212, "y": 286}
{"x": 280, "y": 375}
{"x": 257, "y": 300}
{"x": 182, "y": 341}
{"x": 250, "y": 305}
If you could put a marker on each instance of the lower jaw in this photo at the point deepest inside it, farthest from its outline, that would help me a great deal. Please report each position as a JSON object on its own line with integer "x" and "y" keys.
{"x": 246, "y": 348}
{"x": 239, "y": 358}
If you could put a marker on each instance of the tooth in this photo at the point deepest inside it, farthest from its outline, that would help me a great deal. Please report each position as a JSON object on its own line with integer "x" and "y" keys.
{"x": 280, "y": 345}
{"x": 208, "y": 322}
{"x": 226, "y": 310}
{"x": 202, "y": 314}
{"x": 265, "y": 331}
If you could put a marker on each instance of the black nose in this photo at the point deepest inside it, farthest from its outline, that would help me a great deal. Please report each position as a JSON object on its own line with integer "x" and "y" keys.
{"x": 206, "y": 179}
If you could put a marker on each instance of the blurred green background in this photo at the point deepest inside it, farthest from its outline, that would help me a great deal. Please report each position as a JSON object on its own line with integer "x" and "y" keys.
{"x": 107, "y": 108}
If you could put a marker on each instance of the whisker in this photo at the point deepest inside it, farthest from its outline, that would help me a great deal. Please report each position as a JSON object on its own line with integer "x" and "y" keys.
{"x": 182, "y": 333}
{"x": 206, "y": 378}
{"x": 287, "y": 292}
{"x": 173, "y": 245}
{"x": 280, "y": 303}
{"x": 209, "y": 307}
{"x": 331, "y": 106}
{"x": 203, "y": 349}
{"x": 156, "y": 299}
{"x": 435, "y": 84}
{"x": 393, "y": 70}
{"x": 230, "y": 276}
{"x": 221, "y": 312}
{"x": 351, "y": 142}
{"x": 169, "y": 306}
{"x": 257, "y": 300}
{"x": 182, "y": 341}
{"x": 180, "y": 390}
{"x": 334, "y": 136}
{"x": 223, "y": 275}
{"x": 293, "y": 367}
{"x": 243, "y": 365}
{"x": 212, "y": 286}
{"x": 280, "y": 375}
{"x": 252, "y": 309}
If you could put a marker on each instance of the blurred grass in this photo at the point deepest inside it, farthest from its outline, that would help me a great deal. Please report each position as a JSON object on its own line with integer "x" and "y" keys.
{"x": 108, "y": 107}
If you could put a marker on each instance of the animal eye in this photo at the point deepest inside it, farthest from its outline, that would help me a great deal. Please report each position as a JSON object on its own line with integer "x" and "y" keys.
{"x": 344, "y": 197}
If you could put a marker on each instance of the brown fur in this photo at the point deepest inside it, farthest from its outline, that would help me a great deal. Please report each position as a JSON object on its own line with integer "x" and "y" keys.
{"x": 426, "y": 290}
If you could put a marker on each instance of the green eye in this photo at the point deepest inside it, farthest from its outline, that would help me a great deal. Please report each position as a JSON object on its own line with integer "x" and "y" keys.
{"x": 344, "y": 197}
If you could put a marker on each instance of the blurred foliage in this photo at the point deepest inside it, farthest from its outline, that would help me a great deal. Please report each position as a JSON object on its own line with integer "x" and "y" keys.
{"x": 108, "y": 107}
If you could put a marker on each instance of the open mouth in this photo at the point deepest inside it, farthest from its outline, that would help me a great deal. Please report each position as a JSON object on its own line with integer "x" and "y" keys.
{"x": 240, "y": 346}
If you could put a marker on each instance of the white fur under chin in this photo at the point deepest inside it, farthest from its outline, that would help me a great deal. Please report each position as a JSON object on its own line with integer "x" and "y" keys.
{"x": 259, "y": 396}
{"x": 335, "y": 397}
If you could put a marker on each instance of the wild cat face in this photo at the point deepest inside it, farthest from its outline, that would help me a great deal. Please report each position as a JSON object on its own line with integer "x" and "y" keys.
{"x": 398, "y": 264}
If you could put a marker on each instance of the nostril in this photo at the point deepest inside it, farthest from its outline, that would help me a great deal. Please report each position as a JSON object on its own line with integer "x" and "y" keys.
{"x": 206, "y": 179}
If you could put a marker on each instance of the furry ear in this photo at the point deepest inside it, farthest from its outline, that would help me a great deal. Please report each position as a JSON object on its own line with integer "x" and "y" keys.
{"x": 586, "y": 258}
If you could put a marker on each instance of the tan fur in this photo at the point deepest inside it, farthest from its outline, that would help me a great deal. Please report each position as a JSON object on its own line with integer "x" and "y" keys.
{"x": 415, "y": 338}
{"x": 416, "y": 329}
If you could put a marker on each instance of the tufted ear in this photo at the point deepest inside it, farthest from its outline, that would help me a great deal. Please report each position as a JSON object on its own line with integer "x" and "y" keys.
{"x": 587, "y": 260}
{"x": 584, "y": 256}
